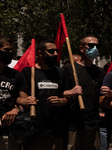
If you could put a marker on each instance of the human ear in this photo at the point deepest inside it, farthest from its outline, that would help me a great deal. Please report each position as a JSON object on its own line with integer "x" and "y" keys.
{"x": 39, "y": 53}
{"x": 81, "y": 48}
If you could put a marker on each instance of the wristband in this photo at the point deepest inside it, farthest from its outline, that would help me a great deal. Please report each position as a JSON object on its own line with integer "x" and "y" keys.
{"x": 20, "y": 110}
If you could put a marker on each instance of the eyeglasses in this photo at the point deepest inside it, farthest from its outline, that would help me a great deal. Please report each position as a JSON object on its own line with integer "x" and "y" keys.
{"x": 51, "y": 51}
{"x": 91, "y": 45}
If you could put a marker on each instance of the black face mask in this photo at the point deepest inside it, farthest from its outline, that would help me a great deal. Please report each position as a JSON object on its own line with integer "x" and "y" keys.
{"x": 6, "y": 57}
{"x": 50, "y": 60}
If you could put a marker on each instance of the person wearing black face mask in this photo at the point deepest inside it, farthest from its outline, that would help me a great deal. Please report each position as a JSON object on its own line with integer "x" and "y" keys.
{"x": 6, "y": 53}
{"x": 51, "y": 82}
{"x": 5, "y": 56}
{"x": 50, "y": 57}
{"x": 12, "y": 85}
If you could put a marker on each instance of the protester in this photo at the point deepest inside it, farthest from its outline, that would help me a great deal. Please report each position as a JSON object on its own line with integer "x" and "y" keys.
{"x": 51, "y": 82}
{"x": 84, "y": 125}
{"x": 103, "y": 121}
{"x": 12, "y": 85}
{"x": 106, "y": 103}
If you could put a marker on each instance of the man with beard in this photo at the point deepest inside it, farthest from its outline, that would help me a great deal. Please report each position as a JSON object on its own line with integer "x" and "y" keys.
{"x": 12, "y": 86}
{"x": 84, "y": 125}
{"x": 50, "y": 82}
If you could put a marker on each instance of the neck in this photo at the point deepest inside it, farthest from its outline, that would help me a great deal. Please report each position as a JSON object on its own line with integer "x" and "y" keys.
{"x": 85, "y": 61}
{"x": 42, "y": 66}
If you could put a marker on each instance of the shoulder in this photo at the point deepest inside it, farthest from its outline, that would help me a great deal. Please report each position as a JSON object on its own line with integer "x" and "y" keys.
{"x": 12, "y": 71}
{"x": 99, "y": 71}
{"x": 98, "y": 68}
{"x": 67, "y": 67}
{"x": 107, "y": 81}
{"x": 60, "y": 70}
{"x": 108, "y": 75}
{"x": 26, "y": 70}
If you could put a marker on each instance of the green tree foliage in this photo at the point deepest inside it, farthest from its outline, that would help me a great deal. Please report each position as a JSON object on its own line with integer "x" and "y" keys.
{"x": 41, "y": 18}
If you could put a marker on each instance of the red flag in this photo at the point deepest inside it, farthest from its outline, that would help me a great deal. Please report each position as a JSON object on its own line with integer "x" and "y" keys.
{"x": 28, "y": 58}
{"x": 61, "y": 35}
{"x": 110, "y": 68}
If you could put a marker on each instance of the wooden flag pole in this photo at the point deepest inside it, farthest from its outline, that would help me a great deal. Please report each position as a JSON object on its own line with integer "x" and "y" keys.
{"x": 0, "y": 122}
{"x": 81, "y": 104}
{"x": 32, "y": 107}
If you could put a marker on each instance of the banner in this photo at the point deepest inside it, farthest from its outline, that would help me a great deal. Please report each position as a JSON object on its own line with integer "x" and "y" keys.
{"x": 61, "y": 35}
{"x": 28, "y": 58}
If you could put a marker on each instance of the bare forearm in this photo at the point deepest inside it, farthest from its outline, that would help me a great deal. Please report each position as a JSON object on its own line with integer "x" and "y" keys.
{"x": 20, "y": 101}
{"x": 56, "y": 101}
{"x": 28, "y": 101}
{"x": 67, "y": 93}
{"x": 77, "y": 90}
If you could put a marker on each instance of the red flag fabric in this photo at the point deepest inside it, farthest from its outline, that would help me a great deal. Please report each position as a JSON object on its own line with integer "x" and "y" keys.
{"x": 110, "y": 68}
{"x": 60, "y": 37}
{"x": 28, "y": 58}
{"x": 32, "y": 56}
{"x": 64, "y": 25}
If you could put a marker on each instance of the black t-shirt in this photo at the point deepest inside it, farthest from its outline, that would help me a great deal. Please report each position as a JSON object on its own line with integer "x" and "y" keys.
{"x": 90, "y": 78}
{"x": 11, "y": 82}
{"x": 49, "y": 83}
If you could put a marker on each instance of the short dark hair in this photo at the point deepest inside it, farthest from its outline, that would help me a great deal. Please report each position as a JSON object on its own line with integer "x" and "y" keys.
{"x": 40, "y": 43}
{"x": 82, "y": 41}
{"x": 4, "y": 39}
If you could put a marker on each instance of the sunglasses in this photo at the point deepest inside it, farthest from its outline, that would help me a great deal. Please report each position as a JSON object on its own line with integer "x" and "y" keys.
{"x": 51, "y": 51}
{"x": 91, "y": 45}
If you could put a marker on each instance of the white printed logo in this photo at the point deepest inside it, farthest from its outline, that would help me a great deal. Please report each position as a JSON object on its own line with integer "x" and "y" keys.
{"x": 5, "y": 93}
{"x": 8, "y": 85}
{"x": 47, "y": 85}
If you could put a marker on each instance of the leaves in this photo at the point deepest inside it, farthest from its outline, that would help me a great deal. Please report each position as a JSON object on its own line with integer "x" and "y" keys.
{"x": 37, "y": 18}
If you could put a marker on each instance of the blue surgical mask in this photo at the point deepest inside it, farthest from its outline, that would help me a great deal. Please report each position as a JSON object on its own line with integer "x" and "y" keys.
{"x": 91, "y": 53}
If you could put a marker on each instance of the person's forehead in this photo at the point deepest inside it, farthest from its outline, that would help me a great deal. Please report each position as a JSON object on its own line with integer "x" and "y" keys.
{"x": 50, "y": 45}
{"x": 91, "y": 40}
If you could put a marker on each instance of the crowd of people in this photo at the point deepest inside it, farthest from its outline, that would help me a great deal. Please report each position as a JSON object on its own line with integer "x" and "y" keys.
{"x": 59, "y": 123}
